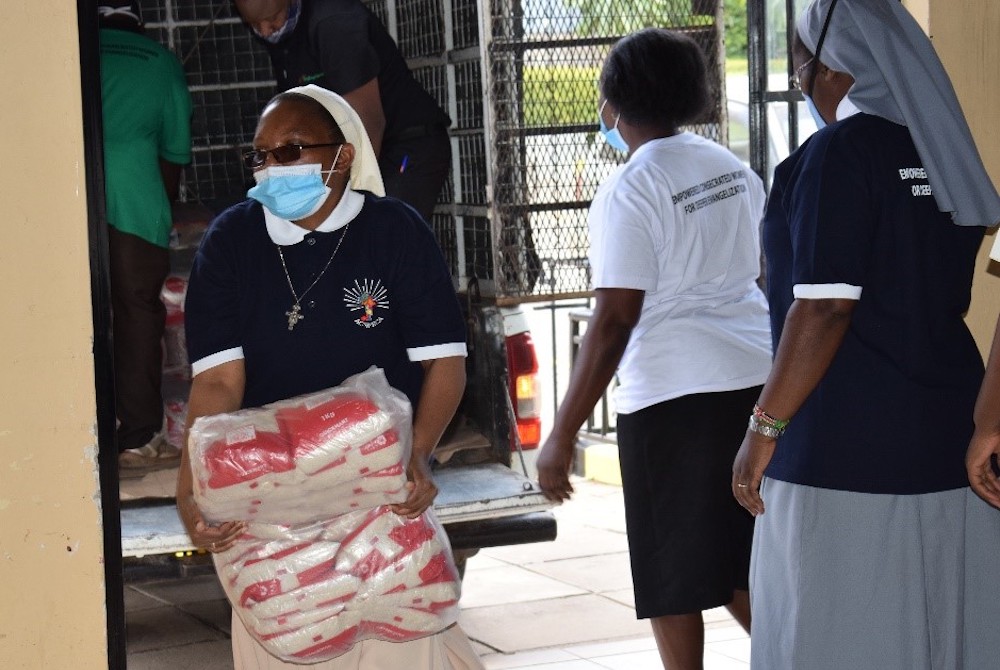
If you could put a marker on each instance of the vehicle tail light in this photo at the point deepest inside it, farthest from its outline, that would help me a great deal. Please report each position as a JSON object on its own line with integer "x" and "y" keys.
{"x": 524, "y": 391}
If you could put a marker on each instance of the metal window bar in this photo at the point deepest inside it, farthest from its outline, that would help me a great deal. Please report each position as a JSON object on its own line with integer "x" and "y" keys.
{"x": 230, "y": 79}
{"x": 543, "y": 64}
{"x": 518, "y": 78}
{"x": 600, "y": 421}
{"x": 761, "y": 95}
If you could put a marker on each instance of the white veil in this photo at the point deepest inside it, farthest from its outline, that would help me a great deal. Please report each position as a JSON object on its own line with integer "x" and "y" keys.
{"x": 898, "y": 76}
{"x": 365, "y": 175}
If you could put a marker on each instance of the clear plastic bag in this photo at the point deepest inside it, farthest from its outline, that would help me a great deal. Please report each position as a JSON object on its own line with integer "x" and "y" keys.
{"x": 308, "y": 593}
{"x": 175, "y": 357}
{"x": 307, "y": 458}
{"x": 175, "y": 416}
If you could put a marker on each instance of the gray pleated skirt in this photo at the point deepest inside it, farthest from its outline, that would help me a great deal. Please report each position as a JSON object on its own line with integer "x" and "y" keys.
{"x": 851, "y": 581}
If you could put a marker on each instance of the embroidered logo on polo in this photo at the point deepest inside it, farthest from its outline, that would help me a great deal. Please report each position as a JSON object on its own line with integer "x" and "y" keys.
{"x": 911, "y": 173}
{"x": 367, "y": 296}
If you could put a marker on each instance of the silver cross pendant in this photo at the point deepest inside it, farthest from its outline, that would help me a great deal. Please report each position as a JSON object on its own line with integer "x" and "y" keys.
{"x": 294, "y": 316}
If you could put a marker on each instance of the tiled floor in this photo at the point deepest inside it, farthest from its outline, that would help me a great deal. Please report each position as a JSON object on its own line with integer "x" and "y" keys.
{"x": 562, "y": 605}
{"x": 577, "y": 610}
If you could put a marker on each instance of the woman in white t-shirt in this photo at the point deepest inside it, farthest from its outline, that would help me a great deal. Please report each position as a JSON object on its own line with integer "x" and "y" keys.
{"x": 675, "y": 258}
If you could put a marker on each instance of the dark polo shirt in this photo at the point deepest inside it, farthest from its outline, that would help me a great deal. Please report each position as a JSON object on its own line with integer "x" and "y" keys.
{"x": 386, "y": 299}
{"x": 851, "y": 215}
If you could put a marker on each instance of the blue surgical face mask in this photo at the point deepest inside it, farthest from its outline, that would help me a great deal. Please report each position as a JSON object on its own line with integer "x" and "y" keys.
{"x": 612, "y": 136}
{"x": 286, "y": 29}
{"x": 811, "y": 106}
{"x": 291, "y": 192}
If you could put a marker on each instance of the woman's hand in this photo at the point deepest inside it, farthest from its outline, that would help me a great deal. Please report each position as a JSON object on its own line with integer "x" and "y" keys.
{"x": 813, "y": 332}
{"x": 421, "y": 487}
{"x": 213, "y": 538}
{"x": 978, "y": 464}
{"x": 553, "y": 464}
{"x": 748, "y": 470}
{"x": 214, "y": 391}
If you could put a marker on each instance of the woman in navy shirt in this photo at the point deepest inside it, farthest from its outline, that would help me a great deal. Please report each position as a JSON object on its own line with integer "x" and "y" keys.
{"x": 310, "y": 281}
{"x": 871, "y": 548}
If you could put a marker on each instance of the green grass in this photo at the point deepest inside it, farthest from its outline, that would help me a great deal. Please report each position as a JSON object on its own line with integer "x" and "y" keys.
{"x": 739, "y": 65}
{"x": 560, "y": 95}
{"x": 736, "y": 66}
{"x": 566, "y": 95}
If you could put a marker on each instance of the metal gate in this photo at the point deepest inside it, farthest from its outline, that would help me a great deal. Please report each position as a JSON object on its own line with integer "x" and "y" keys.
{"x": 543, "y": 62}
{"x": 519, "y": 80}
{"x": 229, "y": 76}
{"x": 770, "y": 26}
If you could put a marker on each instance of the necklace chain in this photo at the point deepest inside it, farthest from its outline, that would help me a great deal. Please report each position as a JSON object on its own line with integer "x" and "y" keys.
{"x": 295, "y": 313}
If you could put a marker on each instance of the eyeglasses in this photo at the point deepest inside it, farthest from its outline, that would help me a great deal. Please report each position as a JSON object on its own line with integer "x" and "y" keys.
{"x": 795, "y": 81}
{"x": 283, "y": 154}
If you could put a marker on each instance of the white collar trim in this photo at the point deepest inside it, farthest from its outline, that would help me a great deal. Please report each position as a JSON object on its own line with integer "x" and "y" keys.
{"x": 846, "y": 108}
{"x": 285, "y": 233}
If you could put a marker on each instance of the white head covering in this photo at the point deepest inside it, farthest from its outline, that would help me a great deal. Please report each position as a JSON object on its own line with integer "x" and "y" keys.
{"x": 898, "y": 76}
{"x": 365, "y": 175}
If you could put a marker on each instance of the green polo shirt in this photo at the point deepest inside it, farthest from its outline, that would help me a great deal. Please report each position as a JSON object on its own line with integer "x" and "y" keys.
{"x": 147, "y": 116}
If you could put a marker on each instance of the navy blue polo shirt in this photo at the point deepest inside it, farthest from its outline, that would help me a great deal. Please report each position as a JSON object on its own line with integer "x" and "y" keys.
{"x": 386, "y": 299}
{"x": 851, "y": 214}
{"x": 340, "y": 45}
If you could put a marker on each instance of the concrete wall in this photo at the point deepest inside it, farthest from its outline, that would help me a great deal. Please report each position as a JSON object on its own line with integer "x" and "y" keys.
{"x": 51, "y": 572}
{"x": 967, "y": 37}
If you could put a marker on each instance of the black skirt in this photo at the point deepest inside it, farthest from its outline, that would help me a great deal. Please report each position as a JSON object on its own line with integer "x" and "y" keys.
{"x": 689, "y": 540}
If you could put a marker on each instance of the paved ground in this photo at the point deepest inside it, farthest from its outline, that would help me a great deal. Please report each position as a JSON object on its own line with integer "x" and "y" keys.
{"x": 562, "y": 605}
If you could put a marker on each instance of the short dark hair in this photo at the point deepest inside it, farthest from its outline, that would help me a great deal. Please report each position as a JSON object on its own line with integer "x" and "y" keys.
{"x": 656, "y": 77}
{"x": 316, "y": 108}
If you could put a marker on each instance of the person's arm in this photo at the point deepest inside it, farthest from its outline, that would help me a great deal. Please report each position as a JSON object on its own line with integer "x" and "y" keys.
{"x": 367, "y": 102}
{"x": 986, "y": 438}
{"x": 175, "y": 130}
{"x": 171, "y": 175}
{"x": 214, "y": 391}
{"x": 813, "y": 332}
{"x": 615, "y": 314}
{"x": 444, "y": 383}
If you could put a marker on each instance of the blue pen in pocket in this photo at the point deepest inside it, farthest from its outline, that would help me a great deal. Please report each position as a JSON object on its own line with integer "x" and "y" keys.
{"x": 402, "y": 165}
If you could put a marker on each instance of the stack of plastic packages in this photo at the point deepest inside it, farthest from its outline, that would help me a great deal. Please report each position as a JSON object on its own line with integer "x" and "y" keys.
{"x": 324, "y": 562}
{"x": 175, "y": 357}
{"x": 176, "y": 384}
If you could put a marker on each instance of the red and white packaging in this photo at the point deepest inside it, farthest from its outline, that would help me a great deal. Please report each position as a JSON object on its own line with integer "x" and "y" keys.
{"x": 324, "y": 562}
{"x": 175, "y": 357}
{"x": 309, "y": 593}
{"x": 307, "y": 458}
{"x": 175, "y": 415}
{"x": 346, "y": 424}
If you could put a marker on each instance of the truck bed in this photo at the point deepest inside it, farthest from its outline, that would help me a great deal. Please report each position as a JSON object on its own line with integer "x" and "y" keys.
{"x": 491, "y": 493}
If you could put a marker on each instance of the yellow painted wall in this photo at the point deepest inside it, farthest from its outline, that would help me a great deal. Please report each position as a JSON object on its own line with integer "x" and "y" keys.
{"x": 967, "y": 38}
{"x": 920, "y": 9}
{"x": 51, "y": 575}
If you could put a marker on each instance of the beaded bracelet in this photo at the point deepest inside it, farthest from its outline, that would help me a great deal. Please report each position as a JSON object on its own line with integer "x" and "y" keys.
{"x": 765, "y": 424}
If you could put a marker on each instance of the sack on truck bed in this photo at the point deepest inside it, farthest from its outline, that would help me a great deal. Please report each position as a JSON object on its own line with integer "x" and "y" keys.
{"x": 309, "y": 593}
{"x": 324, "y": 562}
{"x": 306, "y": 458}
